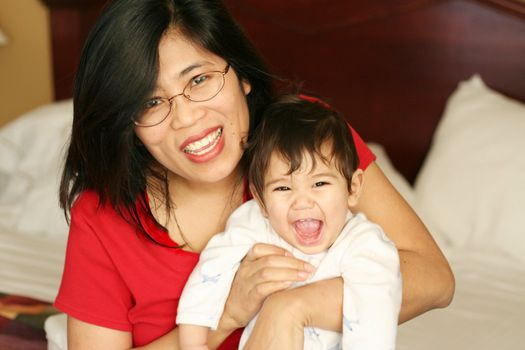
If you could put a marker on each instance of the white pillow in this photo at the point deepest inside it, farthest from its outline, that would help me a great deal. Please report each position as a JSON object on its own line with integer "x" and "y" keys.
{"x": 394, "y": 176}
{"x": 472, "y": 183}
{"x": 406, "y": 190}
{"x": 32, "y": 148}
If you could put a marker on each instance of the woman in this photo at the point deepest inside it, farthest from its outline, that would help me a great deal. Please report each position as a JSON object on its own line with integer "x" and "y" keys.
{"x": 167, "y": 93}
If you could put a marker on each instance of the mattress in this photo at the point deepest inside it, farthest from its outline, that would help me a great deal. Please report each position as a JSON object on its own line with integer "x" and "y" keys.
{"x": 488, "y": 310}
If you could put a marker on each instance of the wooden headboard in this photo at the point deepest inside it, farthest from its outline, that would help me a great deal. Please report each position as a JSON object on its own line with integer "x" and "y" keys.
{"x": 388, "y": 65}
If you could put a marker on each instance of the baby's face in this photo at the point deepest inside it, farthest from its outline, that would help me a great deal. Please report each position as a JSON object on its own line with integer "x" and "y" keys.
{"x": 308, "y": 207}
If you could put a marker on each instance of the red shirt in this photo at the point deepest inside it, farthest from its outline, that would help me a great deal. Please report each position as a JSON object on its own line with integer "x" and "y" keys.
{"x": 115, "y": 277}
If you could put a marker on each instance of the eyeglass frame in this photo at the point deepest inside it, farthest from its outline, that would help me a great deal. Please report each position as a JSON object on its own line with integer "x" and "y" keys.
{"x": 170, "y": 99}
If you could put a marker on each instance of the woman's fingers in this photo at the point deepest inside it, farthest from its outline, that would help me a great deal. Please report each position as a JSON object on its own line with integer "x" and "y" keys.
{"x": 269, "y": 274}
{"x": 265, "y": 270}
{"x": 266, "y": 289}
{"x": 269, "y": 269}
{"x": 261, "y": 249}
{"x": 278, "y": 268}
{"x": 269, "y": 256}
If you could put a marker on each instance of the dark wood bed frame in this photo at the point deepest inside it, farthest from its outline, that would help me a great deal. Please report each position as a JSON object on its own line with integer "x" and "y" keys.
{"x": 388, "y": 65}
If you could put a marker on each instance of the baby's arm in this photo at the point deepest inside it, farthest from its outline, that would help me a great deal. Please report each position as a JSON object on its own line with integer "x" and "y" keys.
{"x": 205, "y": 293}
{"x": 372, "y": 290}
{"x": 193, "y": 337}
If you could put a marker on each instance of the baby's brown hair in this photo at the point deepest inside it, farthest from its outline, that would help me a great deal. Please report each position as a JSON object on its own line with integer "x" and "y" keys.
{"x": 297, "y": 125}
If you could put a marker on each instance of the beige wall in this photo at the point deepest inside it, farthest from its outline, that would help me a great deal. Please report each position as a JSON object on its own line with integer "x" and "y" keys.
{"x": 25, "y": 62}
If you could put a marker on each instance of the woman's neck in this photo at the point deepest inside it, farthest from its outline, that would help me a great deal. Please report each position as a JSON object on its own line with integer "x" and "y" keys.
{"x": 181, "y": 189}
{"x": 193, "y": 201}
{"x": 190, "y": 202}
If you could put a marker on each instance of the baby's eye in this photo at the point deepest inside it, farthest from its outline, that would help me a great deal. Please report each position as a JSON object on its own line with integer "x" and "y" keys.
{"x": 282, "y": 188}
{"x": 320, "y": 183}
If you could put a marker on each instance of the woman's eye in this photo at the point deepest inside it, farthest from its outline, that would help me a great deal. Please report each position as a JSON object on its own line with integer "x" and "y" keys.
{"x": 154, "y": 102}
{"x": 281, "y": 188}
{"x": 320, "y": 183}
{"x": 198, "y": 80}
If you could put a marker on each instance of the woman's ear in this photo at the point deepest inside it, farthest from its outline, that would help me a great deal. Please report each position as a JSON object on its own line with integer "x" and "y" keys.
{"x": 355, "y": 187}
{"x": 258, "y": 200}
{"x": 246, "y": 86}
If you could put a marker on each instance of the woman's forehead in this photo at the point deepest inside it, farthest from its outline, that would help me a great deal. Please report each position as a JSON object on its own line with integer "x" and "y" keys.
{"x": 179, "y": 56}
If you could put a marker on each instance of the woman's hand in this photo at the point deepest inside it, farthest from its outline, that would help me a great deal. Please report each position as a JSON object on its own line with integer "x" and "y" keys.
{"x": 265, "y": 270}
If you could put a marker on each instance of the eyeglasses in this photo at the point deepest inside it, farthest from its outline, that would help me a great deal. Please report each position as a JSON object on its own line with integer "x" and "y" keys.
{"x": 200, "y": 88}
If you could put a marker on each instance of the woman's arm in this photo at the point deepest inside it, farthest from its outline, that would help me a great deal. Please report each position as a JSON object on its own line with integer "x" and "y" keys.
{"x": 428, "y": 281}
{"x": 82, "y": 335}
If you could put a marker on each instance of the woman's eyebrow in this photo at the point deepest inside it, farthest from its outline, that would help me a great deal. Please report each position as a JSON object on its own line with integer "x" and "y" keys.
{"x": 193, "y": 66}
{"x": 186, "y": 71}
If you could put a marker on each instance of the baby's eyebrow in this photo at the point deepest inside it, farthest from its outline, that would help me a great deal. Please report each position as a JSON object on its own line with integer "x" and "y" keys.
{"x": 324, "y": 175}
{"x": 273, "y": 181}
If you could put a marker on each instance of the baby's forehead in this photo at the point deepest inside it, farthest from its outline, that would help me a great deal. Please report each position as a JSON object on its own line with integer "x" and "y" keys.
{"x": 307, "y": 162}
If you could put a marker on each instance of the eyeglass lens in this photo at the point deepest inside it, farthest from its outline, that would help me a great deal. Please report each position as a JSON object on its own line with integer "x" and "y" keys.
{"x": 201, "y": 88}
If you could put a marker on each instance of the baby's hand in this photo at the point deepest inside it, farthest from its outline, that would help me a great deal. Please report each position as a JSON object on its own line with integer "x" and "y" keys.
{"x": 280, "y": 324}
{"x": 193, "y": 337}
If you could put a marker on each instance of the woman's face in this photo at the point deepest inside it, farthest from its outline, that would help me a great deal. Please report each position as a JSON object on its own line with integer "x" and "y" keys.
{"x": 200, "y": 142}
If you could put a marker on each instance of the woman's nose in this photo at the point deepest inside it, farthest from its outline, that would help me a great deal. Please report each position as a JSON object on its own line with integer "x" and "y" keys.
{"x": 184, "y": 112}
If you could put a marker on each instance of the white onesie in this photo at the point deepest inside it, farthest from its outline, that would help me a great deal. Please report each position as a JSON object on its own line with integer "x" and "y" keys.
{"x": 366, "y": 259}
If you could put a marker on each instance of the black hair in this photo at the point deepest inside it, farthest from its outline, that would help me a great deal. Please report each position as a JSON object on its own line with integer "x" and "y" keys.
{"x": 118, "y": 70}
{"x": 294, "y": 126}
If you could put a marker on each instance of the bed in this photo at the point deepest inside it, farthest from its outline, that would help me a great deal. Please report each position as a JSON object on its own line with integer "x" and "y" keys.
{"x": 437, "y": 88}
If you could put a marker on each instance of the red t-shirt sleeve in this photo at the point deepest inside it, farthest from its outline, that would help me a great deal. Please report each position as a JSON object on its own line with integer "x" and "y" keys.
{"x": 365, "y": 154}
{"x": 92, "y": 290}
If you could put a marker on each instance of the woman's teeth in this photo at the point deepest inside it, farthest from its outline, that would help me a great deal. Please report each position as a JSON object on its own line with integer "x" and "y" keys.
{"x": 205, "y": 144}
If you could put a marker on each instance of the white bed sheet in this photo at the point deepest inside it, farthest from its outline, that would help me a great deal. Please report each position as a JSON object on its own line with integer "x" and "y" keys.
{"x": 488, "y": 310}
{"x": 31, "y": 266}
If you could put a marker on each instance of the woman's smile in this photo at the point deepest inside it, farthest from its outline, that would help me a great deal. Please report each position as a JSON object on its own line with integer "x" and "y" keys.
{"x": 199, "y": 149}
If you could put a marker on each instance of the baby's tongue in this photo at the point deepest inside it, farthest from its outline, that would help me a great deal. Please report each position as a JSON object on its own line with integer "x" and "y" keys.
{"x": 307, "y": 227}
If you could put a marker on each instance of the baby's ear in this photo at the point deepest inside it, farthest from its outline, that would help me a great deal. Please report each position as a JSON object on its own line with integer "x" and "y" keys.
{"x": 258, "y": 200}
{"x": 355, "y": 187}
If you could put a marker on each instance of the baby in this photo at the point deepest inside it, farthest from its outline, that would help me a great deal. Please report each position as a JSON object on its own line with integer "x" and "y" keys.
{"x": 304, "y": 178}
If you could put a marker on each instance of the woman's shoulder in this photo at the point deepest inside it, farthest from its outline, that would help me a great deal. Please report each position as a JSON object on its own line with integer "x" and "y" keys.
{"x": 87, "y": 202}
{"x": 92, "y": 217}
{"x": 90, "y": 205}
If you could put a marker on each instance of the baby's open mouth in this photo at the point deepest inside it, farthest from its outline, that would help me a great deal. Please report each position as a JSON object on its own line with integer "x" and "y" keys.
{"x": 308, "y": 231}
